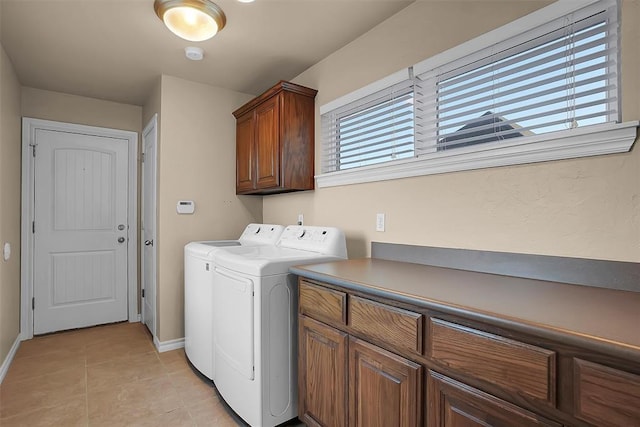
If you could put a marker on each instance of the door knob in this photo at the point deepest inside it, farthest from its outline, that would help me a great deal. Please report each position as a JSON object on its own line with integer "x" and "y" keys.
{"x": 120, "y": 239}
{"x": 148, "y": 242}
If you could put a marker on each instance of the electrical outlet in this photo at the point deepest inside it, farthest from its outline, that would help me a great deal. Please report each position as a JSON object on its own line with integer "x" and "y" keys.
{"x": 380, "y": 222}
{"x": 6, "y": 251}
{"x": 300, "y": 219}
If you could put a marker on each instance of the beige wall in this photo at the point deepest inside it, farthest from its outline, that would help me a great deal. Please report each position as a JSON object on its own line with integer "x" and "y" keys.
{"x": 10, "y": 145}
{"x": 62, "y": 107}
{"x": 579, "y": 208}
{"x": 196, "y": 162}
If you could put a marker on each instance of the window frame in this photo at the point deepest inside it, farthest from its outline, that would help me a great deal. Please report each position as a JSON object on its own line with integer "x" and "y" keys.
{"x": 571, "y": 143}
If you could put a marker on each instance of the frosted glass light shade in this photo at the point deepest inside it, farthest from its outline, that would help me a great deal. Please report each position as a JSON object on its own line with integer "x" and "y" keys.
{"x": 193, "y": 20}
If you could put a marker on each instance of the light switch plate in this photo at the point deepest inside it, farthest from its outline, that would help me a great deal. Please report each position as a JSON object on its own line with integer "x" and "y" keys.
{"x": 380, "y": 222}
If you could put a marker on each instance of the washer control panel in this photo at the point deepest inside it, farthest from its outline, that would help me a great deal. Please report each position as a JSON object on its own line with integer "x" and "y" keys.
{"x": 267, "y": 234}
{"x": 325, "y": 240}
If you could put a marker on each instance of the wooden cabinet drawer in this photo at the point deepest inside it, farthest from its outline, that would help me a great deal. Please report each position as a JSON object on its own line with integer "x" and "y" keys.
{"x": 398, "y": 327}
{"x": 509, "y": 364}
{"x": 322, "y": 303}
{"x": 605, "y": 396}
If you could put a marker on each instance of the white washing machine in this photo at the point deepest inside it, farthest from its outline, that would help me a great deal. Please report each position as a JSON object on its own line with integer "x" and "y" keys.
{"x": 255, "y": 321}
{"x": 198, "y": 282}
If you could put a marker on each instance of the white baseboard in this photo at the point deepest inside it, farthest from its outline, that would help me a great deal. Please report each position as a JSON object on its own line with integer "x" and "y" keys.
{"x": 7, "y": 360}
{"x": 168, "y": 345}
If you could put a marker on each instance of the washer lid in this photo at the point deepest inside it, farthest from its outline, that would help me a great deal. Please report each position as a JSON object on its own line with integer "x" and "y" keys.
{"x": 205, "y": 249}
{"x": 253, "y": 234}
{"x": 266, "y": 260}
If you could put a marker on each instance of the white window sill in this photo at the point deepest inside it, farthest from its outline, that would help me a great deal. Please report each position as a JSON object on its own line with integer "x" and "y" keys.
{"x": 570, "y": 144}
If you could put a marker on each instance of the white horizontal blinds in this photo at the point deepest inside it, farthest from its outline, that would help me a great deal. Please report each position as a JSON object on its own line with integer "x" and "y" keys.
{"x": 562, "y": 78}
{"x": 374, "y": 129}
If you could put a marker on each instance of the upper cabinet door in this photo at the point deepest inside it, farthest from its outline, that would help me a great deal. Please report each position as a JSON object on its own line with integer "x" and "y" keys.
{"x": 268, "y": 143}
{"x": 245, "y": 132}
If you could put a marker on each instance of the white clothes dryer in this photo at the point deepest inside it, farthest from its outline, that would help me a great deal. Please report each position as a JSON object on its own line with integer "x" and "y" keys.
{"x": 255, "y": 321}
{"x": 198, "y": 282}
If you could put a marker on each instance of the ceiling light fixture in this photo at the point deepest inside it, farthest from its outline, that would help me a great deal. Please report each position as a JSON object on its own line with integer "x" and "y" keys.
{"x": 193, "y": 20}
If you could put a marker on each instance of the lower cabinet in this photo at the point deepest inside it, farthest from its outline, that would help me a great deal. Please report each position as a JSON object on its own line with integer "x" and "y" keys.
{"x": 322, "y": 374}
{"x": 346, "y": 381}
{"x": 454, "y": 404}
{"x": 372, "y": 362}
{"x": 384, "y": 388}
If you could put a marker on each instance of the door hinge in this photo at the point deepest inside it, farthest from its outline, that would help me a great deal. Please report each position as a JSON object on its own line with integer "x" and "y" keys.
{"x": 143, "y": 293}
{"x": 142, "y": 158}
{"x": 33, "y": 149}
{"x": 33, "y": 303}
{"x": 33, "y": 227}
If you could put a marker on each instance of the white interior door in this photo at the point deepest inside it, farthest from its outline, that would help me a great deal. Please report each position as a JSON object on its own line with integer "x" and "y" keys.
{"x": 149, "y": 146}
{"x": 81, "y": 230}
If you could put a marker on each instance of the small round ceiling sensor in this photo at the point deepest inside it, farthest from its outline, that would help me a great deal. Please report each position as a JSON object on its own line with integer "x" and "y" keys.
{"x": 194, "y": 53}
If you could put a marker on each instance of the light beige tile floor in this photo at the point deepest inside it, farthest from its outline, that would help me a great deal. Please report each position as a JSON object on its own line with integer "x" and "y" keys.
{"x": 105, "y": 376}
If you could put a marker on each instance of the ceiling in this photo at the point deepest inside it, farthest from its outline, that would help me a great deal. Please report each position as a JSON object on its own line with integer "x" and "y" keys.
{"x": 116, "y": 49}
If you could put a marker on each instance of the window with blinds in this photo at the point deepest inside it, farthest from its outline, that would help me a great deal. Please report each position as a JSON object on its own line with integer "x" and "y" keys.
{"x": 374, "y": 129}
{"x": 533, "y": 87}
{"x": 561, "y": 76}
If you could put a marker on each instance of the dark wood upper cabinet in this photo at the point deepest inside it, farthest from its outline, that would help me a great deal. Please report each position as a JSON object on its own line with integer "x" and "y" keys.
{"x": 275, "y": 141}
{"x": 244, "y": 152}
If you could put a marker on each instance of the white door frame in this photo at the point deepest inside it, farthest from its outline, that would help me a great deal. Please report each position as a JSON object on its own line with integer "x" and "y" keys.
{"x": 152, "y": 126}
{"x": 29, "y": 127}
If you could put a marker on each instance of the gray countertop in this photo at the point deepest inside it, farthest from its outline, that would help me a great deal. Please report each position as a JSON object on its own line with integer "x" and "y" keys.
{"x": 600, "y": 319}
